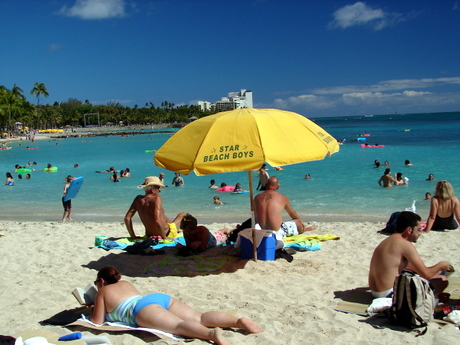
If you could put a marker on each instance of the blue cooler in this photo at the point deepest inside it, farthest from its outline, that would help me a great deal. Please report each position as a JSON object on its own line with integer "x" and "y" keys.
{"x": 265, "y": 251}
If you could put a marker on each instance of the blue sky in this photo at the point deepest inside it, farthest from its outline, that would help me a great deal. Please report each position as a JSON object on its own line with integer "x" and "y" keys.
{"x": 317, "y": 58}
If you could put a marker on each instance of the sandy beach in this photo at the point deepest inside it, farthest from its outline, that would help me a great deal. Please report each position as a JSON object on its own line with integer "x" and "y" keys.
{"x": 293, "y": 302}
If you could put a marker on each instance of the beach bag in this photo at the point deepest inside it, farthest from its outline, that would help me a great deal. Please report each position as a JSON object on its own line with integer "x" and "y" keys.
{"x": 390, "y": 227}
{"x": 141, "y": 247}
{"x": 413, "y": 301}
{"x": 247, "y": 224}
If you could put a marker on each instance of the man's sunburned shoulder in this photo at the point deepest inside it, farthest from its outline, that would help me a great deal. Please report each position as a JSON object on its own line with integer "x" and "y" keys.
{"x": 265, "y": 196}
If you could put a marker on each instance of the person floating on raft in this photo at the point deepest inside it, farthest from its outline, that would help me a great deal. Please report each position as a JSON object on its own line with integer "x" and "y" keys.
{"x": 49, "y": 167}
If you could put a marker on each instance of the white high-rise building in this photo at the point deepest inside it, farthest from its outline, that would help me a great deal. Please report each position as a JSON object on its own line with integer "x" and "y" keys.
{"x": 205, "y": 105}
{"x": 234, "y": 100}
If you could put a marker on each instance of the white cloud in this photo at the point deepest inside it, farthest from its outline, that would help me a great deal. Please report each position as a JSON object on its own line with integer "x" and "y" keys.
{"x": 385, "y": 97}
{"x": 304, "y": 101}
{"x": 388, "y": 85}
{"x": 362, "y": 14}
{"x": 415, "y": 93}
{"x": 358, "y": 97}
{"x": 380, "y": 98}
{"x": 95, "y": 9}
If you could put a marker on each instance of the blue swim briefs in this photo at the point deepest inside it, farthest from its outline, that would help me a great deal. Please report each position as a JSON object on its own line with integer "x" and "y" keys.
{"x": 160, "y": 299}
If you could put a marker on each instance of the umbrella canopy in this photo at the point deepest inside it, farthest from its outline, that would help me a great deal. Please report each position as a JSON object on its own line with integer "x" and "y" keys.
{"x": 243, "y": 139}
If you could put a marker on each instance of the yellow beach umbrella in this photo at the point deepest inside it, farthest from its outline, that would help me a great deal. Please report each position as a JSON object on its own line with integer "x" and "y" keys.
{"x": 243, "y": 139}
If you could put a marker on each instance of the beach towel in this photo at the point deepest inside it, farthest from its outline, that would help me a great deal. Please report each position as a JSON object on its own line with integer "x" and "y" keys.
{"x": 125, "y": 242}
{"x": 121, "y": 327}
{"x": 309, "y": 242}
{"x": 201, "y": 264}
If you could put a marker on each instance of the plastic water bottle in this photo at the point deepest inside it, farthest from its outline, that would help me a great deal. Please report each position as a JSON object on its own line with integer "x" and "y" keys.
{"x": 99, "y": 340}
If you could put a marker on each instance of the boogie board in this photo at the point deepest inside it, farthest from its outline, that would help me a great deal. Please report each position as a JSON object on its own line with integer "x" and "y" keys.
{"x": 74, "y": 188}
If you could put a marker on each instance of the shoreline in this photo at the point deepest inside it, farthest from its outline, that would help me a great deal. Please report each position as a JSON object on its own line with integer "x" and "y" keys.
{"x": 94, "y": 132}
{"x": 55, "y": 216}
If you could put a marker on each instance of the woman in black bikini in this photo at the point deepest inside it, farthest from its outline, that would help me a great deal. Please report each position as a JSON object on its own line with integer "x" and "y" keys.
{"x": 444, "y": 206}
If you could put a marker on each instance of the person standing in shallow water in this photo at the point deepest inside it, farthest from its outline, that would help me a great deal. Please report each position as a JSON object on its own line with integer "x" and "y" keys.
{"x": 67, "y": 204}
{"x": 177, "y": 181}
{"x": 9, "y": 179}
{"x": 387, "y": 180}
{"x": 263, "y": 177}
{"x": 161, "y": 176}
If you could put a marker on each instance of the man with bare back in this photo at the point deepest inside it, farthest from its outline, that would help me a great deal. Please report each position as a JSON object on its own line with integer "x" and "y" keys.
{"x": 268, "y": 208}
{"x": 151, "y": 212}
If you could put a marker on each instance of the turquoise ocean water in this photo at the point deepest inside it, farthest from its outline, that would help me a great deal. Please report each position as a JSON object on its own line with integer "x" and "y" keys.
{"x": 343, "y": 187}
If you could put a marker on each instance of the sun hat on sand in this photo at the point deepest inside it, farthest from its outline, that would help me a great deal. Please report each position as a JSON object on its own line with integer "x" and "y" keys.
{"x": 152, "y": 181}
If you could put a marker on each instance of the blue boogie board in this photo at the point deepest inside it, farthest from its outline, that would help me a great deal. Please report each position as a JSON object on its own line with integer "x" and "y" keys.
{"x": 74, "y": 188}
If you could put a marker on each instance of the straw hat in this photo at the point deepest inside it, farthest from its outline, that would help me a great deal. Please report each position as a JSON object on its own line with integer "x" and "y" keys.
{"x": 152, "y": 181}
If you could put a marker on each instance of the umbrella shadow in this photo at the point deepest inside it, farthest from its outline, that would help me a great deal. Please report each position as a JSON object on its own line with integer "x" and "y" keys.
{"x": 212, "y": 262}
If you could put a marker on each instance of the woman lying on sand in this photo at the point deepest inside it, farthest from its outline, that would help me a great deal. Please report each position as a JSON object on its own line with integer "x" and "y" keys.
{"x": 119, "y": 301}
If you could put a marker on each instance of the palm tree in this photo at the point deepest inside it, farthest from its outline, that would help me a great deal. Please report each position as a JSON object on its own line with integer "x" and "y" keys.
{"x": 39, "y": 89}
{"x": 10, "y": 103}
{"x": 16, "y": 90}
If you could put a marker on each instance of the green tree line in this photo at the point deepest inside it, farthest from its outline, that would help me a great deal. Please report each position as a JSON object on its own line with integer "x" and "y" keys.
{"x": 15, "y": 108}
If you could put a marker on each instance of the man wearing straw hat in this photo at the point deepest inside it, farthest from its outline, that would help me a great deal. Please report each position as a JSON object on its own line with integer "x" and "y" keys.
{"x": 151, "y": 212}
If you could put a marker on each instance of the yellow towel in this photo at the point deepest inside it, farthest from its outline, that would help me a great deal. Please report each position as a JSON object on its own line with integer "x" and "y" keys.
{"x": 173, "y": 230}
{"x": 302, "y": 237}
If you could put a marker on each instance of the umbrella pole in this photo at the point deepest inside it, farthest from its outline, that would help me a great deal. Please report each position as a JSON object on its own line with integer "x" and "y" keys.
{"x": 251, "y": 195}
{"x": 251, "y": 201}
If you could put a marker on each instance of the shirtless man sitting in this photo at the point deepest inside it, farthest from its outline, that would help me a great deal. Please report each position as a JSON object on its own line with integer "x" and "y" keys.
{"x": 396, "y": 253}
{"x": 151, "y": 212}
{"x": 268, "y": 208}
{"x": 386, "y": 180}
